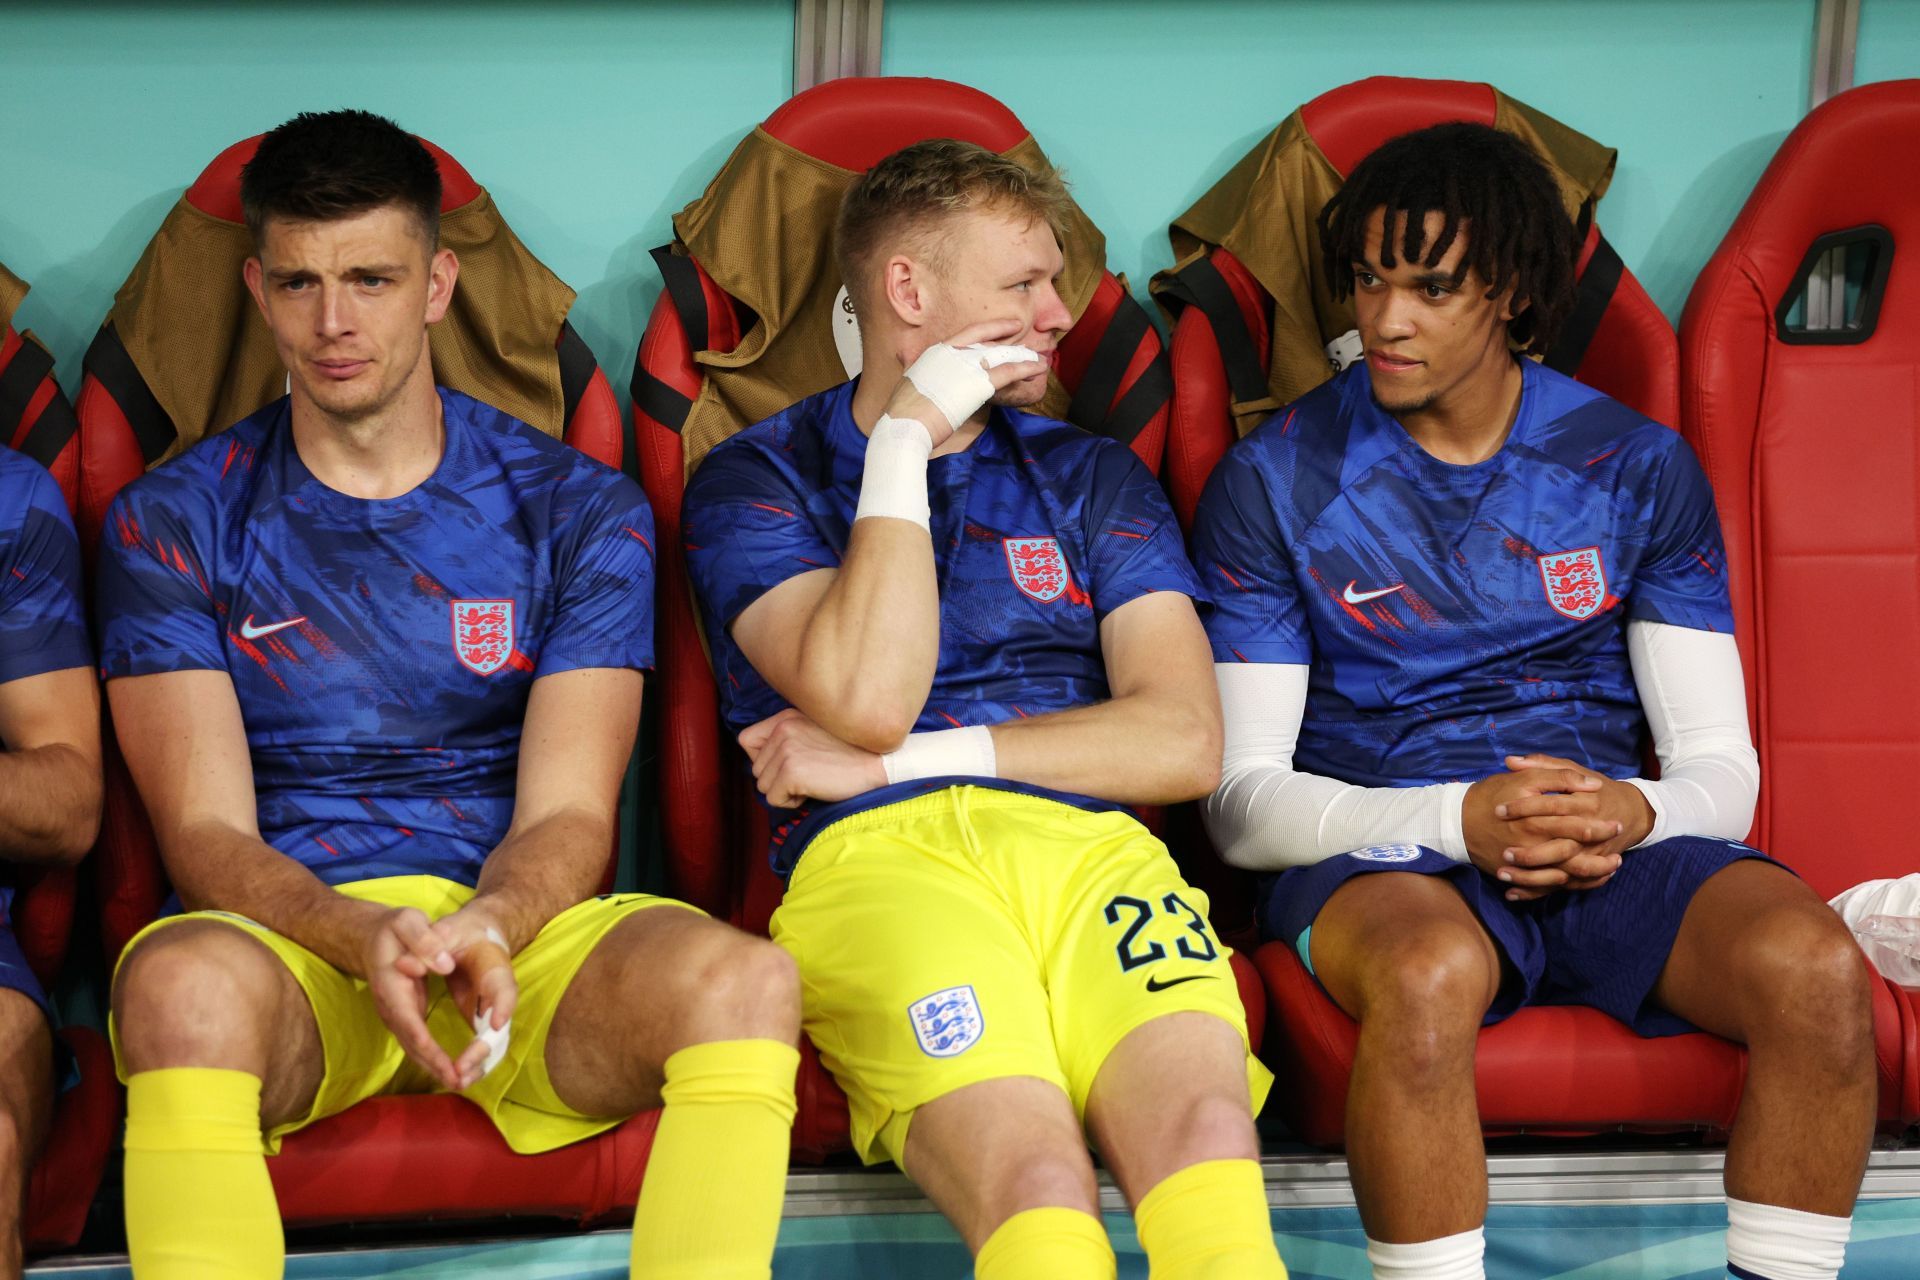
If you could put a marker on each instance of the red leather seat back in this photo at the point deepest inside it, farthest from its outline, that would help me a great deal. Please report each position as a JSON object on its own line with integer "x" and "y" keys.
{"x": 714, "y": 834}
{"x": 1631, "y": 354}
{"x": 1810, "y": 442}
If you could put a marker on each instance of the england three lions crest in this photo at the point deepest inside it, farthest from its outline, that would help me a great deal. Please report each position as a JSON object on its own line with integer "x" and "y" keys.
{"x": 1038, "y": 568}
{"x": 1576, "y": 582}
{"x": 483, "y": 634}
{"x": 947, "y": 1022}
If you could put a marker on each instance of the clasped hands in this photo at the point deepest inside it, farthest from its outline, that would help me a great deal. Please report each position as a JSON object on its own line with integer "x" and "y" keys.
{"x": 402, "y": 949}
{"x": 1550, "y": 823}
{"x": 794, "y": 760}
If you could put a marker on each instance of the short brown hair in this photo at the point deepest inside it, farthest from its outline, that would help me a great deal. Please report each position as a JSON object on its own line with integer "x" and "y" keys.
{"x": 323, "y": 166}
{"x": 919, "y": 185}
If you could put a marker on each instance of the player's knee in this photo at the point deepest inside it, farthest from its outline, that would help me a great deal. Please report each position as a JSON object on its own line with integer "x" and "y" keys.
{"x": 1048, "y": 1175}
{"x": 194, "y": 994}
{"x": 740, "y": 987}
{"x": 1216, "y": 1125}
{"x": 1437, "y": 978}
{"x": 1805, "y": 979}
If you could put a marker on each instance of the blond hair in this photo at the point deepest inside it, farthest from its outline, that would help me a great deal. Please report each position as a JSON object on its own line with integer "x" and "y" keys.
{"x": 910, "y": 192}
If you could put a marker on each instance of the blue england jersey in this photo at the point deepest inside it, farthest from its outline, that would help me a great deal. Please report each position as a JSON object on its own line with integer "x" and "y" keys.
{"x": 42, "y": 625}
{"x": 1039, "y": 531}
{"x": 1452, "y": 615}
{"x": 382, "y": 649}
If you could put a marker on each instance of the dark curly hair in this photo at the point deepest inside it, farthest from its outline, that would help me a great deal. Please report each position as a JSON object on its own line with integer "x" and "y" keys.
{"x": 1475, "y": 176}
{"x": 324, "y": 165}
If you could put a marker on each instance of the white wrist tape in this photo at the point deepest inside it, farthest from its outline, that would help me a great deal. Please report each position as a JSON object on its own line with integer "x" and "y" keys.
{"x": 895, "y": 480}
{"x": 954, "y": 379}
{"x": 943, "y": 753}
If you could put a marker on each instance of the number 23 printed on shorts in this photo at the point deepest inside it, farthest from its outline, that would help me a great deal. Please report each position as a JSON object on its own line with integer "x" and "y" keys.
{"x": 1150, "y": 932}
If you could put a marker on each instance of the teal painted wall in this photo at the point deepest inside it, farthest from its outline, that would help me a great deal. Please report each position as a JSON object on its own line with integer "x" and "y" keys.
{"x": 1888, "y": 46}
{"x": 1146, "y": 103}
{"x": 593, "y": 122}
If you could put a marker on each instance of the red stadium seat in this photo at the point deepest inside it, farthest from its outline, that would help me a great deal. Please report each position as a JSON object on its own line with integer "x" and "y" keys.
{"x": 1110, "y": 366}
{"x": 397, "y": 1158}
{"x": 85, "y": 1120}
{"x": 1547, "y": 1070}
{"x": 1618, "y": 341}
{"x": 35, "y": 419}
{"x": 1807, "y": 434}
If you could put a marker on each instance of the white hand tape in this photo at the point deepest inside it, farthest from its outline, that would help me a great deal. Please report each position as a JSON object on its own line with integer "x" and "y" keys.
{"x": 955, "y": 383}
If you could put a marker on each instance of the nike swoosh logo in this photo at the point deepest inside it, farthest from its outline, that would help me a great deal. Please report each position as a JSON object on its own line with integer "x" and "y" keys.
{"x": 1154, "y": 984}
{"x": 1361, "y": 597}
{"x": 250, "y": 632}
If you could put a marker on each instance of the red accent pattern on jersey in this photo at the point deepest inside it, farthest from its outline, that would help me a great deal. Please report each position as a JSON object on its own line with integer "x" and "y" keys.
{"x": 1576, "y": 582}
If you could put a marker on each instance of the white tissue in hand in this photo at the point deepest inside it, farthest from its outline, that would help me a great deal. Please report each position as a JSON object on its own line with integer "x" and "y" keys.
{"x": 496, "y": 1041}
{"x": 994, "y": 357}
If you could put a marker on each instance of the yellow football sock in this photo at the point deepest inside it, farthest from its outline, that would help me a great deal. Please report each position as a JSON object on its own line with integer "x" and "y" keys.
{"x": 710, "y": 1204}
{"x": 199, "y": 1203}
{"x": 1209, "y": 1222}
{"x": 1046, "y": 1244}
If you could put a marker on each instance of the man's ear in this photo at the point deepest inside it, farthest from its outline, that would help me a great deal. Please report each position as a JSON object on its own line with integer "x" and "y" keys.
{"x": 443, "y": 269}
{"x": 906, "y": 285}
{"x": 1511, "y": 304}
{"x": 255, "y": 276}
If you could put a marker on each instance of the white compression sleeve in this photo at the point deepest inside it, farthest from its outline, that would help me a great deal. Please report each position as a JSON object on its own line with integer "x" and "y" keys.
{"x": 894, "y": 482}
{"x": 1265, "y": 816}
{"x": 1695, "y": 701}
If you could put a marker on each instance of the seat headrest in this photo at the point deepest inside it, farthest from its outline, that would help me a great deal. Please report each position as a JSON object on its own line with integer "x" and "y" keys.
{"x": 216, "y": 192}
{"x": 762, "y": 233}
{"x": 858, "y": 121}
{"x": 1265, "y": 210}
{"x": 1351, "y": 122}
{"x": 1849, "y": 164}
{"x": 184, "y": 352}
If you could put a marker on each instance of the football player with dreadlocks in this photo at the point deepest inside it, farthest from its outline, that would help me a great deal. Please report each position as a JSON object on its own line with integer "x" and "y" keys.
{"x": 1455, "y": 591}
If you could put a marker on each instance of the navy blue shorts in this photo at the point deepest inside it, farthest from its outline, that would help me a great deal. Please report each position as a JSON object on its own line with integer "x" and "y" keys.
{"x": 1603, "y": 947}
{"x": 14, "y": 974}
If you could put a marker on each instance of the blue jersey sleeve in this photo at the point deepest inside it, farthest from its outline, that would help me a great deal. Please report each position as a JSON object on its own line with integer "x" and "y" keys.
{"x": 42, "y": 625}
{"x": 1241, "y": 554}
{"x": 1682, "y": 577}
{"x": 747, "y": 529}
{"x": 1133, "y": 536}
{"x": 603, "y": 611}
{"x": 154, "y": 593}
